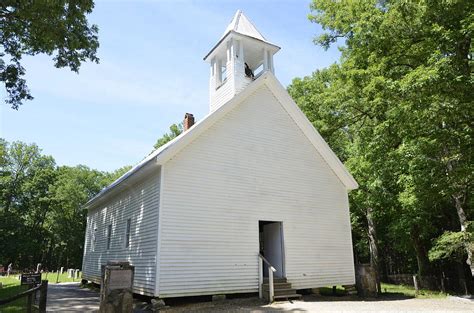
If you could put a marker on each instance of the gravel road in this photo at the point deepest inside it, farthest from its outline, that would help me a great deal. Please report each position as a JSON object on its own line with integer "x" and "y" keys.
{"x": 332, "y": 305}
{"x": 69, "y": 297}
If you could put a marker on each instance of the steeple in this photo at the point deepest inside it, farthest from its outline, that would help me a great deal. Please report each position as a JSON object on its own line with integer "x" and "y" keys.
{"x": 240, "y": 56}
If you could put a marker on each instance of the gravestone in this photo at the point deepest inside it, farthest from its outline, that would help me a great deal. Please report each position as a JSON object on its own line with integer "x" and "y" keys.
{"x": 39, "y": 267}
{"x": 62, "y": 270}
{"x": 70, "y": 273}
{"x": 76, "y": 274}
{"x": 116, "y": 287}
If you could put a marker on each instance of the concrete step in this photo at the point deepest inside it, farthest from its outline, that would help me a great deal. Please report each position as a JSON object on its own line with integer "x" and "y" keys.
{"x": 282, "y": 292}
{"x": 275, "y": 280}
{"x": 277, "y": 286}
{"x": 287, "y": 297}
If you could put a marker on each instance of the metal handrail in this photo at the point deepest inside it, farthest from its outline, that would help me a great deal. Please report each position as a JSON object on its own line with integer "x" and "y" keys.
{"x": 271, "y": 270}
{"x": 266, "y": 261}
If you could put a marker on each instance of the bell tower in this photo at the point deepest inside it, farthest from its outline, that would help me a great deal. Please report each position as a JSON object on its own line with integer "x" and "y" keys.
{"x": 240, "y": 56}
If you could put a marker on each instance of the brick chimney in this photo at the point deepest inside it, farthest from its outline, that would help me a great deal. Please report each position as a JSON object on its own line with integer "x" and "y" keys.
{"x": 188, "y": 121}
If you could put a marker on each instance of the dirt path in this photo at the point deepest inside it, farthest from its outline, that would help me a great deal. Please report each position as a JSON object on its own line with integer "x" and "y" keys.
{"x": 331, "y": 305}
{"x": 69, "y": 297}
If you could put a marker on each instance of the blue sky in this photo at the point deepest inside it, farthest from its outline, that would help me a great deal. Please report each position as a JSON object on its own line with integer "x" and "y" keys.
{"x": 151, "y": 72}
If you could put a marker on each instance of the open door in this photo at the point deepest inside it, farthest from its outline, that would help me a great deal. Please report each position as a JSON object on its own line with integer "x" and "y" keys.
{"x": 271, "y": 246}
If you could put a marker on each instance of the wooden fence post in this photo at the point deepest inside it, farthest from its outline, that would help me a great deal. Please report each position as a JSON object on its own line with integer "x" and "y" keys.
{"x": 29, "y": 303}
{"x": 415, "y": 284}
{"x": 43, "y": 296}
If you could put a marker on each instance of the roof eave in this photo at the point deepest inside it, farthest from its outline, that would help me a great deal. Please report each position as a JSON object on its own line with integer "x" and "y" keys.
{"x": 274, "y": 47}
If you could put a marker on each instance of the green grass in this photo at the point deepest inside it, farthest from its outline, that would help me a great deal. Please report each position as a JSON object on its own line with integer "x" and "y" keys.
{"x": 327, "y": 291}
{"x": 11, "y": 287}
{"x": 409, "y": 291}
{"x": 51, "y": 278}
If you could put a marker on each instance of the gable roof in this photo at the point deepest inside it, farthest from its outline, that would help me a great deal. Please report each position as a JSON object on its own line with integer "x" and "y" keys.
{"x": 167, "y": 151}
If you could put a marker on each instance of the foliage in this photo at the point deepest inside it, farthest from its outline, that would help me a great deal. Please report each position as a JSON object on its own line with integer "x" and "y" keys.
{"x": 451, "y": 245}
{"x": 58, "y": 28}
{"x": 41, "y": 207}
{"x": 398, "y": 110}
{"x": 175, "y": 131}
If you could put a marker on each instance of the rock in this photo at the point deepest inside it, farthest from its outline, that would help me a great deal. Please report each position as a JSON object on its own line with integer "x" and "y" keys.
{"x": 350, "y": 289}
{"x": 315, "y": 291}
{"x": 216, "y": 298}
{"x": 157, "y": 304}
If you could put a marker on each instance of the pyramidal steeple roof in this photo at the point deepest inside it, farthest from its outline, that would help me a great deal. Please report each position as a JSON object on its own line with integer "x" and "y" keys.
{"x": 241, "y": 24}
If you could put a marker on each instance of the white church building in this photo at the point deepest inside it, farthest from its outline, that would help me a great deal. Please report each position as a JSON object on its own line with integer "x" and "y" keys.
{"x": 251, "y": 184}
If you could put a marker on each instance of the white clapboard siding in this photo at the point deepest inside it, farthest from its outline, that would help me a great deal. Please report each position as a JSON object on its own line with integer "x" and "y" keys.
{"x": 140, "y": 202}
{"x": 253, "y": 164}
{"x": 224, "y": 92}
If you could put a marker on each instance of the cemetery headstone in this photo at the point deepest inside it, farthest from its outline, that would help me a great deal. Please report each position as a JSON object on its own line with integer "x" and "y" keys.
{"x": 62, "y": 270}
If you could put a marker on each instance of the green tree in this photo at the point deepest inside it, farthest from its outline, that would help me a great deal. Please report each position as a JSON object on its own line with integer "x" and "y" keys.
{"x": 399, "y": 111}
{"x": 25, "y": 202}
{"x": 175, "y": 131}
{"x": 73, "y": 187}
{"x": 42, "y": 215}
{"x": 58, "y": 28}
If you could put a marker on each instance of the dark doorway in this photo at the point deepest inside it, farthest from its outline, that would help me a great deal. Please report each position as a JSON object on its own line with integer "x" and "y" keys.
{"x": 271, "y": 246}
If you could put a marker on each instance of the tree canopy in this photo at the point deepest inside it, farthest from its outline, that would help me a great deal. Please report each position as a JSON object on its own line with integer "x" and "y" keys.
{"x": 398, "y": 109}
{"x": 175, "y": 131}
{"x": 59, "y": 28}
{"x": 41, "y": 206}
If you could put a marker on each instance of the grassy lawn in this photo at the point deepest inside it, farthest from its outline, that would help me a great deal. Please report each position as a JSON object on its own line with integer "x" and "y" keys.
{"x": 11, "y": 287}
{"x": 390, "y": 290}
{"x": 52, "y": 277}
{"x": 327, "y": 291}
{"x": 409, "y": 291}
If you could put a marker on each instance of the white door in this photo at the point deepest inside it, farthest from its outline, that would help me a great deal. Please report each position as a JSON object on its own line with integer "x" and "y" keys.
{"x": 273, "y": 246}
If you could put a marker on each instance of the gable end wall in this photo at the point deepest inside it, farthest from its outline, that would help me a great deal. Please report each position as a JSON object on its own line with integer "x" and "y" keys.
{"x": 253, "y": 164}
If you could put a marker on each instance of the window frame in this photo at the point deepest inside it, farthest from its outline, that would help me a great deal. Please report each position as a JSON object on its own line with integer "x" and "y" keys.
{"x": 128, "y": 232}
{"x": 94, "y": 238}
{"x": 109, "y": 236}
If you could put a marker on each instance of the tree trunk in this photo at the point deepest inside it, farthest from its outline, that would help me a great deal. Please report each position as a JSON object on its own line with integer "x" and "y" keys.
{"x": 458, "y": 203}
{"x": 420, "y": 250}
{"x": 374, "y": 253}
{"x": 459, "y": 200}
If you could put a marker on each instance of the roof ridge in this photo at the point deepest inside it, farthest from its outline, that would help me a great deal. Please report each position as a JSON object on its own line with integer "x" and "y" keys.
{"x": 253, "y": 25}
{"x": 238, "y": 15}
